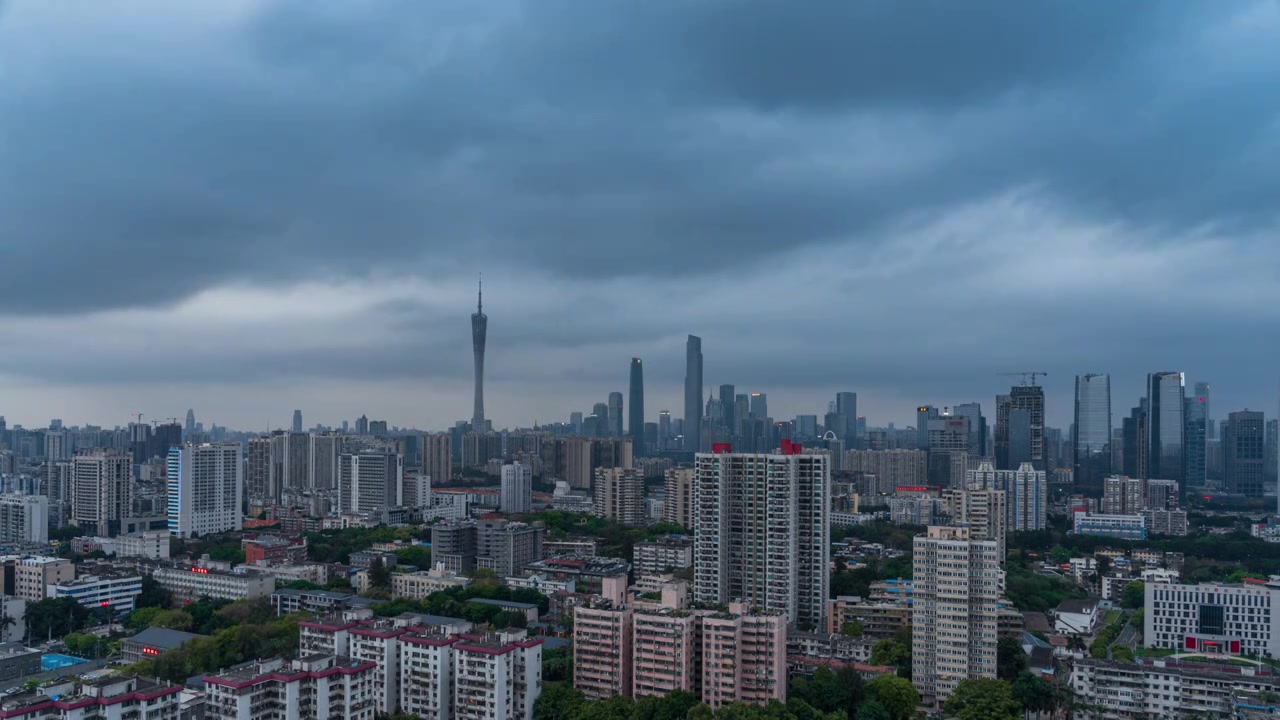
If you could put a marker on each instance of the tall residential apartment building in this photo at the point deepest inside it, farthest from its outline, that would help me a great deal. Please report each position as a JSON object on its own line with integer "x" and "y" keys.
{"x": 892, "y": 468}
{"x": 322, "y": 465}
{"x": 982, "y": 511}
{"x": 677, "y": 505}
{"x": 517, "y": 488}
{"x": 1026, "y": 493}
{"x": 720, "y": 657}
{"x": 619, "y": 495}
{"x": 466, "y": 676}
{"x": 205, "y": 489}
{"x": 24, "y": 518}
{"x": 318, "y": 687}
{"x": 762, "y": 534}
{"x": 370, "y": 481}
{"x": 437, "y": 458}
{"x": 954, "y": 614}
{"x": 101, "y": 490}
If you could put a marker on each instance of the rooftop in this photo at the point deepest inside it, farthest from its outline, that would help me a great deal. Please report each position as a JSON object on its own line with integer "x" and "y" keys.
{"x": 1073, "y": 605}
{"x": 163, "y": 638}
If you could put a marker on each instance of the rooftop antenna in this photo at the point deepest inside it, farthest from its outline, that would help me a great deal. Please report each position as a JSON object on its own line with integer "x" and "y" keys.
{"x": 480, "y": 296}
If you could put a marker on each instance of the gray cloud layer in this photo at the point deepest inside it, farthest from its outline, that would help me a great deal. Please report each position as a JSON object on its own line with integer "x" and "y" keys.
{"x": 908, "y": 198}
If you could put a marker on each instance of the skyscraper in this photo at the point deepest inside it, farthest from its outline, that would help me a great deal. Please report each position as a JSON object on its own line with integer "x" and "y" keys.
{"x": 693, "y": 394}
{"x": 297, "y": 421}
{"x": 774, "y": 556}
{"x": 954, "y": 610}
{"x": 1011, "y": 424}
{"x": 924, "y": 414}
{"x": 727, "y": 408}
{"x": 759, "y": 406}
{"x": 977, "y": 427}
{"x": 635, "y": 424}
{"x": 191, "y": 421}
{"x": 1243, "y": 454}
{"x": 1091, "y": 437}
{"x": 1165, "y": 427}
{"x": 479, "y": 329}
{"x": 615, "y": 415}
{"x": 1196, "y": 434}
{"x": 664, "y": 429}
{"x": 205, "y": 489}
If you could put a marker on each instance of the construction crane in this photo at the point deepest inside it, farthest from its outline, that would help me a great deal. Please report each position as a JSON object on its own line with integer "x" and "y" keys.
{"x": 1024, "y": 374}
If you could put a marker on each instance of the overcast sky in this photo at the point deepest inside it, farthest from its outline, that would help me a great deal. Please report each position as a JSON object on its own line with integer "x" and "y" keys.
{"x": 250, "y": 207}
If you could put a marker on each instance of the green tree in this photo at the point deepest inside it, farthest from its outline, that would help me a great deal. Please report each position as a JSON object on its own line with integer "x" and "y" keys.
{"x": 618, "y": 707}
{"x": 379, "y": 575}
{"x": 1133, "y": 595}
{"x": 82, "y": 644}
{"x": 1011, "y": 659}
{"x": 823, "y": 691}
{"x": 1121, "y": 653}
{"x": 1035, "y": 694}
{"x": 672, "y": 706}
{"x": 141, "y": 618}
{"x": 701, "y": 711}
{"x": 153, "y": 595}
{"x": 55, "y": 617}
{"x": 896, "y": 694}
{"x": 557, "y": 702}
{"x": 173, "y": 620}
{"x": 871, "y": 710}
{"x": 983, "y": 699}
{"x": 892, "y": 652}
{"x": 853, "y": 628}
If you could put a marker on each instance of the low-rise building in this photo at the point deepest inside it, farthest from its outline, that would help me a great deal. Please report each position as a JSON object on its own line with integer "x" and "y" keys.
{"x": 415, "y": 585}
{"x": 190, "y": 583}
{"x": 542, "y": 583}
{"x": 1076, "y": 617}
{"x": 321, "y": 602}
{"x": 153, "y": 642}
{"x": 116, "y": 592}
{"x": 1110, "y": 690}
{"x": 274, "y": 550}
{"x": 1123, "y": 527}
{"x": 581, "y": 546}
{"x": 111, "y": 698}
{"x": 318, "y": 687}
{"x": 33, "y": 576}
{"x": 879, "y": 620}
{"x": 663, "y": 555}
{"x": 18, "y": 661}
{"x": 722, "y": 657}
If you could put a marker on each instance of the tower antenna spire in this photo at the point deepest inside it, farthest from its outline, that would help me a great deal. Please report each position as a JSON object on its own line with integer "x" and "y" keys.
{"x": 480, "y": 295}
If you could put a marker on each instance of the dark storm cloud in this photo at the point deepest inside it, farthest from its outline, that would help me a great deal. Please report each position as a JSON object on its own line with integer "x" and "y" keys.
{"x": 591, "y": 139}
{"x": 635, "y": 170}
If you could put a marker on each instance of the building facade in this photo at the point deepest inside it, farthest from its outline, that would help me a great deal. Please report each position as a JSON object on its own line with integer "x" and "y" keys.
{"x": 1091, "y": 436}
{"x": 619, "y": 495}
{"x": 517, "y": 488}
{"x": 763, "y": 532}
{"x": 954, "y": 626}
{"x": 205, "y": 489}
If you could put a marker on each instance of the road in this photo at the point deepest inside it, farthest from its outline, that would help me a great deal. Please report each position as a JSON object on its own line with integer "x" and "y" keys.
{"x": 1128, "y": 636}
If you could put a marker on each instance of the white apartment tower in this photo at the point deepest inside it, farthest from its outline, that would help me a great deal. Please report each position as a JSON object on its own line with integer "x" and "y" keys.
{"x": 953, "y": 617}
{"x": 101, "y": 490}
{"x": 619, "y": 495}
{"x": 517, "y": 488}
{"x": 370, "y": 481}
{"x": 762, "y": 534}
{"x": 206, "y": 489}
{"x": 1026, "y": 493}
{"x": 983, "y": 511}
{"x": 24, "y": 518}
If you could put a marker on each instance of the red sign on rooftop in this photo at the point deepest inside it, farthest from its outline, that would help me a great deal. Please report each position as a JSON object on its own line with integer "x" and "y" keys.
{"x": 721, "y": 448}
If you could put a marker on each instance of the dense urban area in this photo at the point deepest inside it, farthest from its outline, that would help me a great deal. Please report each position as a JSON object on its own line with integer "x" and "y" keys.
{"x": 739, "y": 566}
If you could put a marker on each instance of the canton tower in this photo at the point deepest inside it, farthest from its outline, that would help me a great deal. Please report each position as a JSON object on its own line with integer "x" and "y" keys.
{"x": 479, "y": 326}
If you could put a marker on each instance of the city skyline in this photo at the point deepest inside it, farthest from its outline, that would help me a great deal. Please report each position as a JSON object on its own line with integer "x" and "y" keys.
{"x": 269, "y": 284}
